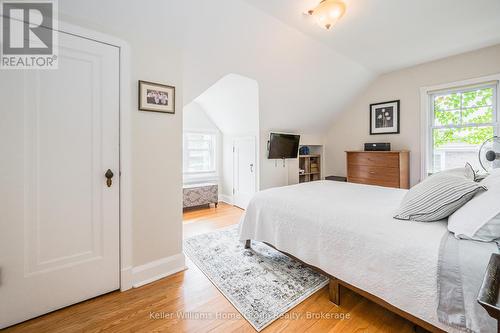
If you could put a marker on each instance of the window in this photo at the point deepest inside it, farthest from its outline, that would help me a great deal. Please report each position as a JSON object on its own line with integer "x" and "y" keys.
{"x": 199, "y": 152}
{"x": 460, "y": 121}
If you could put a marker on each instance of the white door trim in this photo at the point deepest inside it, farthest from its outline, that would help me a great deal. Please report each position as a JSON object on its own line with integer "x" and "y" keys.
{"x": 125, "y": 146}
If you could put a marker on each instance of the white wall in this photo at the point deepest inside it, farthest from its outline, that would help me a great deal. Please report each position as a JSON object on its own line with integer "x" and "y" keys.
{"x": 156, "y": 137}
{"x": 226, "y": 189}
{"x": 196, "y": 119}
{"x": 351, "y": 129}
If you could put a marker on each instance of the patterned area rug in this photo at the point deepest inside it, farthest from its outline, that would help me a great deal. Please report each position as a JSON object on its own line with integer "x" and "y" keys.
{"x": 260, "y": 282}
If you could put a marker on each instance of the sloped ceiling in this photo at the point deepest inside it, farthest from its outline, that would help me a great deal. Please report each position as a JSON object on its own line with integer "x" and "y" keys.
{"x": 384, "y": 35}
{"x": 302, "y": 82}
{"x": 232, "y": 103}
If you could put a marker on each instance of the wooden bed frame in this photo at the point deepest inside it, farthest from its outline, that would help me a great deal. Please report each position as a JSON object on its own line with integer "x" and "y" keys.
{"x": 335, "y": 286}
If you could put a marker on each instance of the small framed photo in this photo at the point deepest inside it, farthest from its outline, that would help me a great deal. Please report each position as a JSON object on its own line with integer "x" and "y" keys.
{"x": 156, "y": 97}
{"x": 384, "y": 118}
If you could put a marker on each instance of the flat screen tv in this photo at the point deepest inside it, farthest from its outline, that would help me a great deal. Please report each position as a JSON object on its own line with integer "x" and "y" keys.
{"x": 283, "y": 146}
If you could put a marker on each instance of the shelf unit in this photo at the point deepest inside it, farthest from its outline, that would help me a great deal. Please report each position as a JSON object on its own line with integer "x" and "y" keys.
{"x": 311, "y": 164}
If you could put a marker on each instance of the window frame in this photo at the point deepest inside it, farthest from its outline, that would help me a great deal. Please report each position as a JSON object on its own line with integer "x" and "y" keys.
{"x": 213, "y": 169}
{"x": 427, "y": 115}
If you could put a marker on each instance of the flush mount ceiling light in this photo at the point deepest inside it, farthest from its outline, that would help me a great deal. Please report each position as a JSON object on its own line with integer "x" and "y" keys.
{"x": 328, "y": 12}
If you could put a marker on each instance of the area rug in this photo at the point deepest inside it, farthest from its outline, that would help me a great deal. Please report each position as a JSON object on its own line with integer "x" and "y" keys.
{"x": 261, "y": 283}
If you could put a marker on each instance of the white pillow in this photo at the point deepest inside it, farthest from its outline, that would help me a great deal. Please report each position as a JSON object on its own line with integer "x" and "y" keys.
{"x": 466, "y": 172}
{"x": 479, "y": 219}
{"x": 437, "y": 197}
{"x": 469, "y": 172}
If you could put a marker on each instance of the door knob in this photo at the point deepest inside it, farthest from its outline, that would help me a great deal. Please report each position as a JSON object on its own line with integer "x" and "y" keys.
{"x": 251, "y": 167}
{"x": 109, "y": 176}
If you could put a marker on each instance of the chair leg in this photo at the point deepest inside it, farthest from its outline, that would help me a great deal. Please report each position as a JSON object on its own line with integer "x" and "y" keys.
{"x": 334, "y": 291}
{"x": 248, "y": 244}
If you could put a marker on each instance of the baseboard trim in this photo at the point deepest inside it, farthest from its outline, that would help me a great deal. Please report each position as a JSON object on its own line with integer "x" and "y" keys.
{"x": 155, "y": 270}
{"x": 226, "y": 198}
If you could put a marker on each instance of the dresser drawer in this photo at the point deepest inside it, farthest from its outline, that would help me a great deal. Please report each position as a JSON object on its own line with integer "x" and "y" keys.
{"x": 387, "y": 160}
{"x": 377, "y": 182}
{"x": 374, "y": 173}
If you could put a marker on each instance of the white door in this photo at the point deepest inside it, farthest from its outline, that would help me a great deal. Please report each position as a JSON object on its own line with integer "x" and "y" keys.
{"x": 59, "y": 134}
{"x": 244, "y": 171}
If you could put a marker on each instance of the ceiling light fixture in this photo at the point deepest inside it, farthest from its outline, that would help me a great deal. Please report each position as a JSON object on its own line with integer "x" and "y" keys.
{"x": 328, "y": 12}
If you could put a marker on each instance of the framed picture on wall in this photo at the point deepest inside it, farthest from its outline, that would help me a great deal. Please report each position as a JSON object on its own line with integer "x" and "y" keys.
{"x": 156, "y": 97}
{"x": 384, "y": 118}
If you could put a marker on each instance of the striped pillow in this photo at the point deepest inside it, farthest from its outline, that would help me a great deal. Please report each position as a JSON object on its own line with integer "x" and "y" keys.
{"x": 437, "y": 197}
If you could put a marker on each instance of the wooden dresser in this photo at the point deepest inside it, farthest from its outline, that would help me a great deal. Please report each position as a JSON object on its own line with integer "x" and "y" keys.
{"x": 383, "y": 168}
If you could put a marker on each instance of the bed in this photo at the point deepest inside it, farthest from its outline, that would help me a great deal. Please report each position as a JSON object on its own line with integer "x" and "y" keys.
{"x": 347, "y": 230}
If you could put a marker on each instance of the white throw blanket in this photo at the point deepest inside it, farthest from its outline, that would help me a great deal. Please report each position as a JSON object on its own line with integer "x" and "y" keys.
{"x": 348, "y": 231}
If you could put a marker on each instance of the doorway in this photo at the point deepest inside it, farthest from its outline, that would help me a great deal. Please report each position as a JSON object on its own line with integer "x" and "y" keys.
{"x": 221, "y": 145}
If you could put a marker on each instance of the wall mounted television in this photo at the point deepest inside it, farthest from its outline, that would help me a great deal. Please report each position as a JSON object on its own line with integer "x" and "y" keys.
{"x": 283, "y": 146}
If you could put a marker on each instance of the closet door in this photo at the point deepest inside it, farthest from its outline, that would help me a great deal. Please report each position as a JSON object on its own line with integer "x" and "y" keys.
{"x": 59, "y": 204}
{"x": 244, "y": 171}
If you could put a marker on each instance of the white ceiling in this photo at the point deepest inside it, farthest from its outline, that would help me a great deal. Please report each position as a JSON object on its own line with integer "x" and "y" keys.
{"x": 384, "y": 35}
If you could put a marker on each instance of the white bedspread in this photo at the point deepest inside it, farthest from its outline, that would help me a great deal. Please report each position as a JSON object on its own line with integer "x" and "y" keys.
{"x": 348, "y": 231}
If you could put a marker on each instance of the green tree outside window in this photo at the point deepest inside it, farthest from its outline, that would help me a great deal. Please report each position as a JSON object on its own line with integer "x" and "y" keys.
{"x": 470, "y": 113}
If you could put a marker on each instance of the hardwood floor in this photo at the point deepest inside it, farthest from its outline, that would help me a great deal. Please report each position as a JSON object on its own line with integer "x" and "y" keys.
{"x": 201, "y": 220}
{"x": 172, "y": 304}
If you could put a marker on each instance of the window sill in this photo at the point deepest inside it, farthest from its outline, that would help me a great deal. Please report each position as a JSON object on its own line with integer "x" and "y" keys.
{"x": 193, "y": 178}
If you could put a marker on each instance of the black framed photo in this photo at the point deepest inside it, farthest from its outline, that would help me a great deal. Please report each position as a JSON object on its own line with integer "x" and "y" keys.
{"x": 156, "y": 97}
{"x": 384, "y": 117}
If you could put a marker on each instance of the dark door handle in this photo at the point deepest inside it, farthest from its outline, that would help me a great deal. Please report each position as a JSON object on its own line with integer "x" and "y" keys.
{"x": 109, "y": 176}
